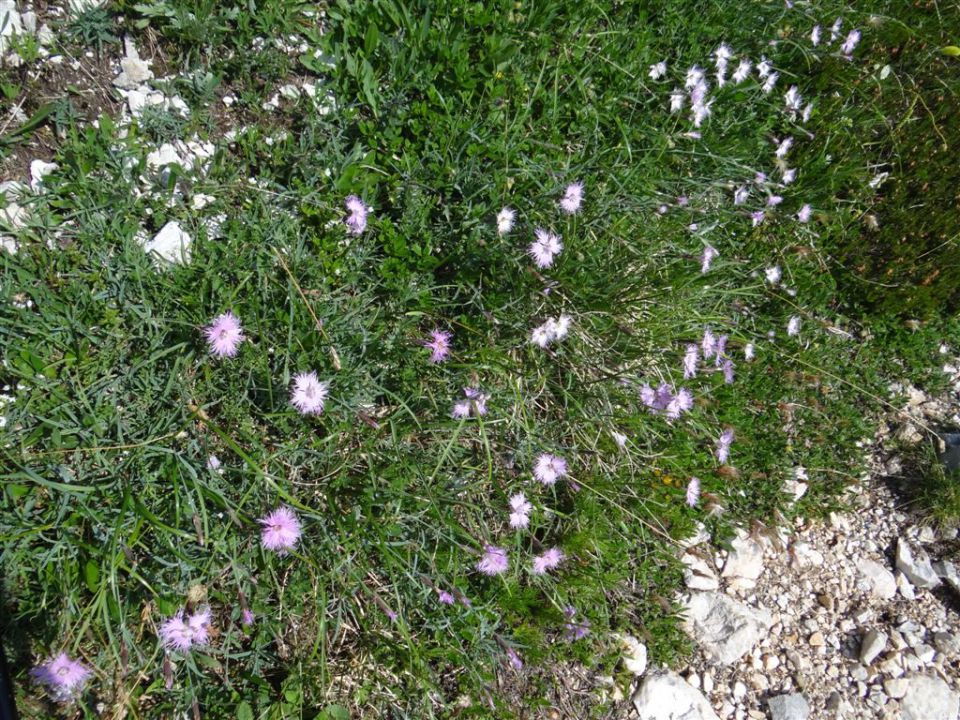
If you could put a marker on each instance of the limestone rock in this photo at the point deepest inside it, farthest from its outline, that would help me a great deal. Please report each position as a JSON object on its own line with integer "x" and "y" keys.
{"x": 874, "y": 643}
{"x": 876, "y": 579}
{"x": 663, "y": 695}
{"x": 746, "y": 558}
{"x": 789, "y": 707}
{"x": 726, "y": 629}
{"x": 927, "y": 697}
{"x": 914, "y": 562}
{"x": 698, "y": 574}
{"x": 171, "y": 244}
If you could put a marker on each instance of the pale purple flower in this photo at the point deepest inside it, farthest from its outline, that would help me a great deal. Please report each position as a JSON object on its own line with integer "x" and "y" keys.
{"x": 648, "y": 396}
{"x": 477, "y": 400}
{"x": 505, "y": 220}
{"x": 444, "y": 597}
{"x": 835, "y": 30}
{"x": 784, "y": 147}
{"x": 721, "y": 350}
{"x": 658, "y": 70}
{"x": 541, "y": 335}
{"x": 519, "y": 511}
{"x": 757, "y": 217}
{"x": 708, "y": 344}
{"x": 182, "y": 632}
{"x": 561, "y": 327}
{"x": 461, "y": 409}
{"x": 62, "y": 677}
{"x": 693, "y": 491}
{"x": 793, "y": 326}
{"x": 789, "y": 175}
{"x": 774, "y": 200}
{"x": 574, "y": 629}
{"x": 680, "y": 403}
{"x": 246, "y": 617}
{"x": 676, "y": 101}
{"x": 549, "y": 468}
{"x": 770, "y": 82}
{"x": 694, "y": 77}
{"x": 742, "y": 71}
{"x": 357, "y": 219}
{"x": 439, "y": 345}
{"x": 700, "y": 112}
{"x": 572, "y": 198}
{"x": 773, "y": 274}
{"x": 728, "y": 371}
{"x": 815, "y": 35}
{"x": 807, "y": 112}
{"x": 281, "y": 530}
{"x": 804, "y": 214}
{"x": 551, "y": 330}
{"x": 619, "y": 438}
{"x": 723, "y": 446}
{"x": 693, "y": 227}
{"x": 494, "y": 560}
{"x": 760, "y": 178}
{"x": 224, "y": 335}
{"x": 213, "y": 463}
{"x": 547, "y": 560}
{"x": 710, "y": 253}
{"x": 748, "y": 352}
{"x": 308, "y": 394}
{"x": 792, "y": 100}
{"x": 740, "y": 195}
{"x": 682, "y": 201}
{"x": 514, "y": 658}
{"x": 850, "y": 43}
{"x": 764, "y": 68}
{"x": 690, "y": 362}
{"x": 544, "y": 248}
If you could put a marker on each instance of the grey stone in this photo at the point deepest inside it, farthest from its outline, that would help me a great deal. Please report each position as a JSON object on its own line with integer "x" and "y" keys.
{"x": 789, "y": 707}
{"x": 171, "y": 244}
{"x": 914, "y": 562}
{"x": 698, "y": 575}
{"x": 9, "y": 23}
{"x": 948, "y": 571}
{"x": 947, "y": 643}
{"x": 726, "y": 629}
{"x": 664, "y": 695}
{"x": 876, "y": 579}
{"x": 872, "y": 645}
{"x": 133, "y": 73}
{"x": 746, "y": 558}
{"x": 928, "y": 698}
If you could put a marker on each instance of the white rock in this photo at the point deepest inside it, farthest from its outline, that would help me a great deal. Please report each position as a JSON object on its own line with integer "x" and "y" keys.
{"x": 9, "y": 23}
{"x": 290, "y": 92}
{"x": 948, "y": 571}
{"x": 9, "y": 244}
{"x": 947, "y": 643}
{"x": 914, "y": 562}
{"x": 664, "y": 695}
{"x": 29, "y": 20}
{"x": 928, "y": 697}
{"x": 171, "y": 244}
{"x": 872, "y": 645}
{"x": 80, "y": 6}
{"x": 133, "y": 72}
{"x": 698, "y": 538}
{"x": 698, "y": 575}
{"x": 39, "y": 169}
{"x": 904, "y": 586}
{"x": 795, "y": 488}
{"x": 895, "y": 687}
{"x": 876, "y": 579}
{"x": 635, "y": 654}
{"x": 739, "y": 691}
{"x": 164, "y": 155}
{"x": 804, "y": 555}
{"x": 789, "y": 707}
{"x": 746, "y": 559}
{"x": 726, "y": 629}
{"x": 925, "y": 654}
{"x": 199, "y": 201}
{"x": 45, "y": 36}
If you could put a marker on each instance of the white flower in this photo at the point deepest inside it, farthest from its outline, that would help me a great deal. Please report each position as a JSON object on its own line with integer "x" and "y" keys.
{"x": 505, "y": 219}
{"x": 770, "y": 82}
{"x": 740, "y": 196}
{"x": 742, "y": 71}
{"x": 773, "y": 274}
{"x": 658, "y": 71}
{"x": 784, "y": 147}
{"x": 815, "y": 35}
{"x": 676, "y": 101}
{"x": 793, "y": 326}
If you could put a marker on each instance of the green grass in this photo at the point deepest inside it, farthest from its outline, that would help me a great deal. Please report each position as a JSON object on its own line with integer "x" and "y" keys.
{"x": 446, "y": 113}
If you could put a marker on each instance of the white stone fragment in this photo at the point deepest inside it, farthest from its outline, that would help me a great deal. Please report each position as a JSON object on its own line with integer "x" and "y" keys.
{"x": 664, "y": 695}
{"x": 171, "y": 244}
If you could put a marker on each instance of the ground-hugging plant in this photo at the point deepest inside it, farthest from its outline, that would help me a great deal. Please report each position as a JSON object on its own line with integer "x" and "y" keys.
{"x": 436, "y": 397}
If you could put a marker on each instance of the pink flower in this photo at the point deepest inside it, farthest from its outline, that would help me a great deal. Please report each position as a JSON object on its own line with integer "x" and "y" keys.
{"x": 549, "y": 468}
{"x": 494, "y": 560}
{"x": 789, "y": 175}
{"x": 574, "y": 629}
{"x": 63, "y": 678}
{"x": 774, "y": 200}
{"x": 693, "y": 491}
{"x": 804, "y": 214}
{"x": 515, "y": 660}
{"x": 181, "y": 633}
{"x": 281, "y": 530}
{"x": 690, "y": 362}
{"x": 224, "y": 335}
{"x": 246, "y": 617}
{"x": 548, "y": 560}
{"x": 545, "y": 248}
{"x": 709, "y": 344}
{"x": 444, "y": 597}
{"x": 723, "y": 446}
{"x": 519, "y": 511}
{"x": 572, "y": 198}
{"x": 709, "y": 255}
{"x": 309, "y": 394}
{"x": 213, "y": 463}
{"x": 850, "y": 43}
{"x": 505, "y": 220}
{"x": 757, "y": 217}
{"x": 475, "y": 404}
{"x": 357, "y": 219}
{"x": 439, "y": 345}
{"x": 720, "y": 350}
{"x": 461, "y": 409}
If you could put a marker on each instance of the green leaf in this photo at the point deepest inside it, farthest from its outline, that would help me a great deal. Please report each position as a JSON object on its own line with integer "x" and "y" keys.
{"x": 335, "y": 712}
{"x": 244, "y": 711}
{"x": 951, "y": 50}
{"x": 91, "y": 574}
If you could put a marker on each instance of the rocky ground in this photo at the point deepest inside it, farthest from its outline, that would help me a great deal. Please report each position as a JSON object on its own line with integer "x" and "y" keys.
{"x": 856, "y": 617}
